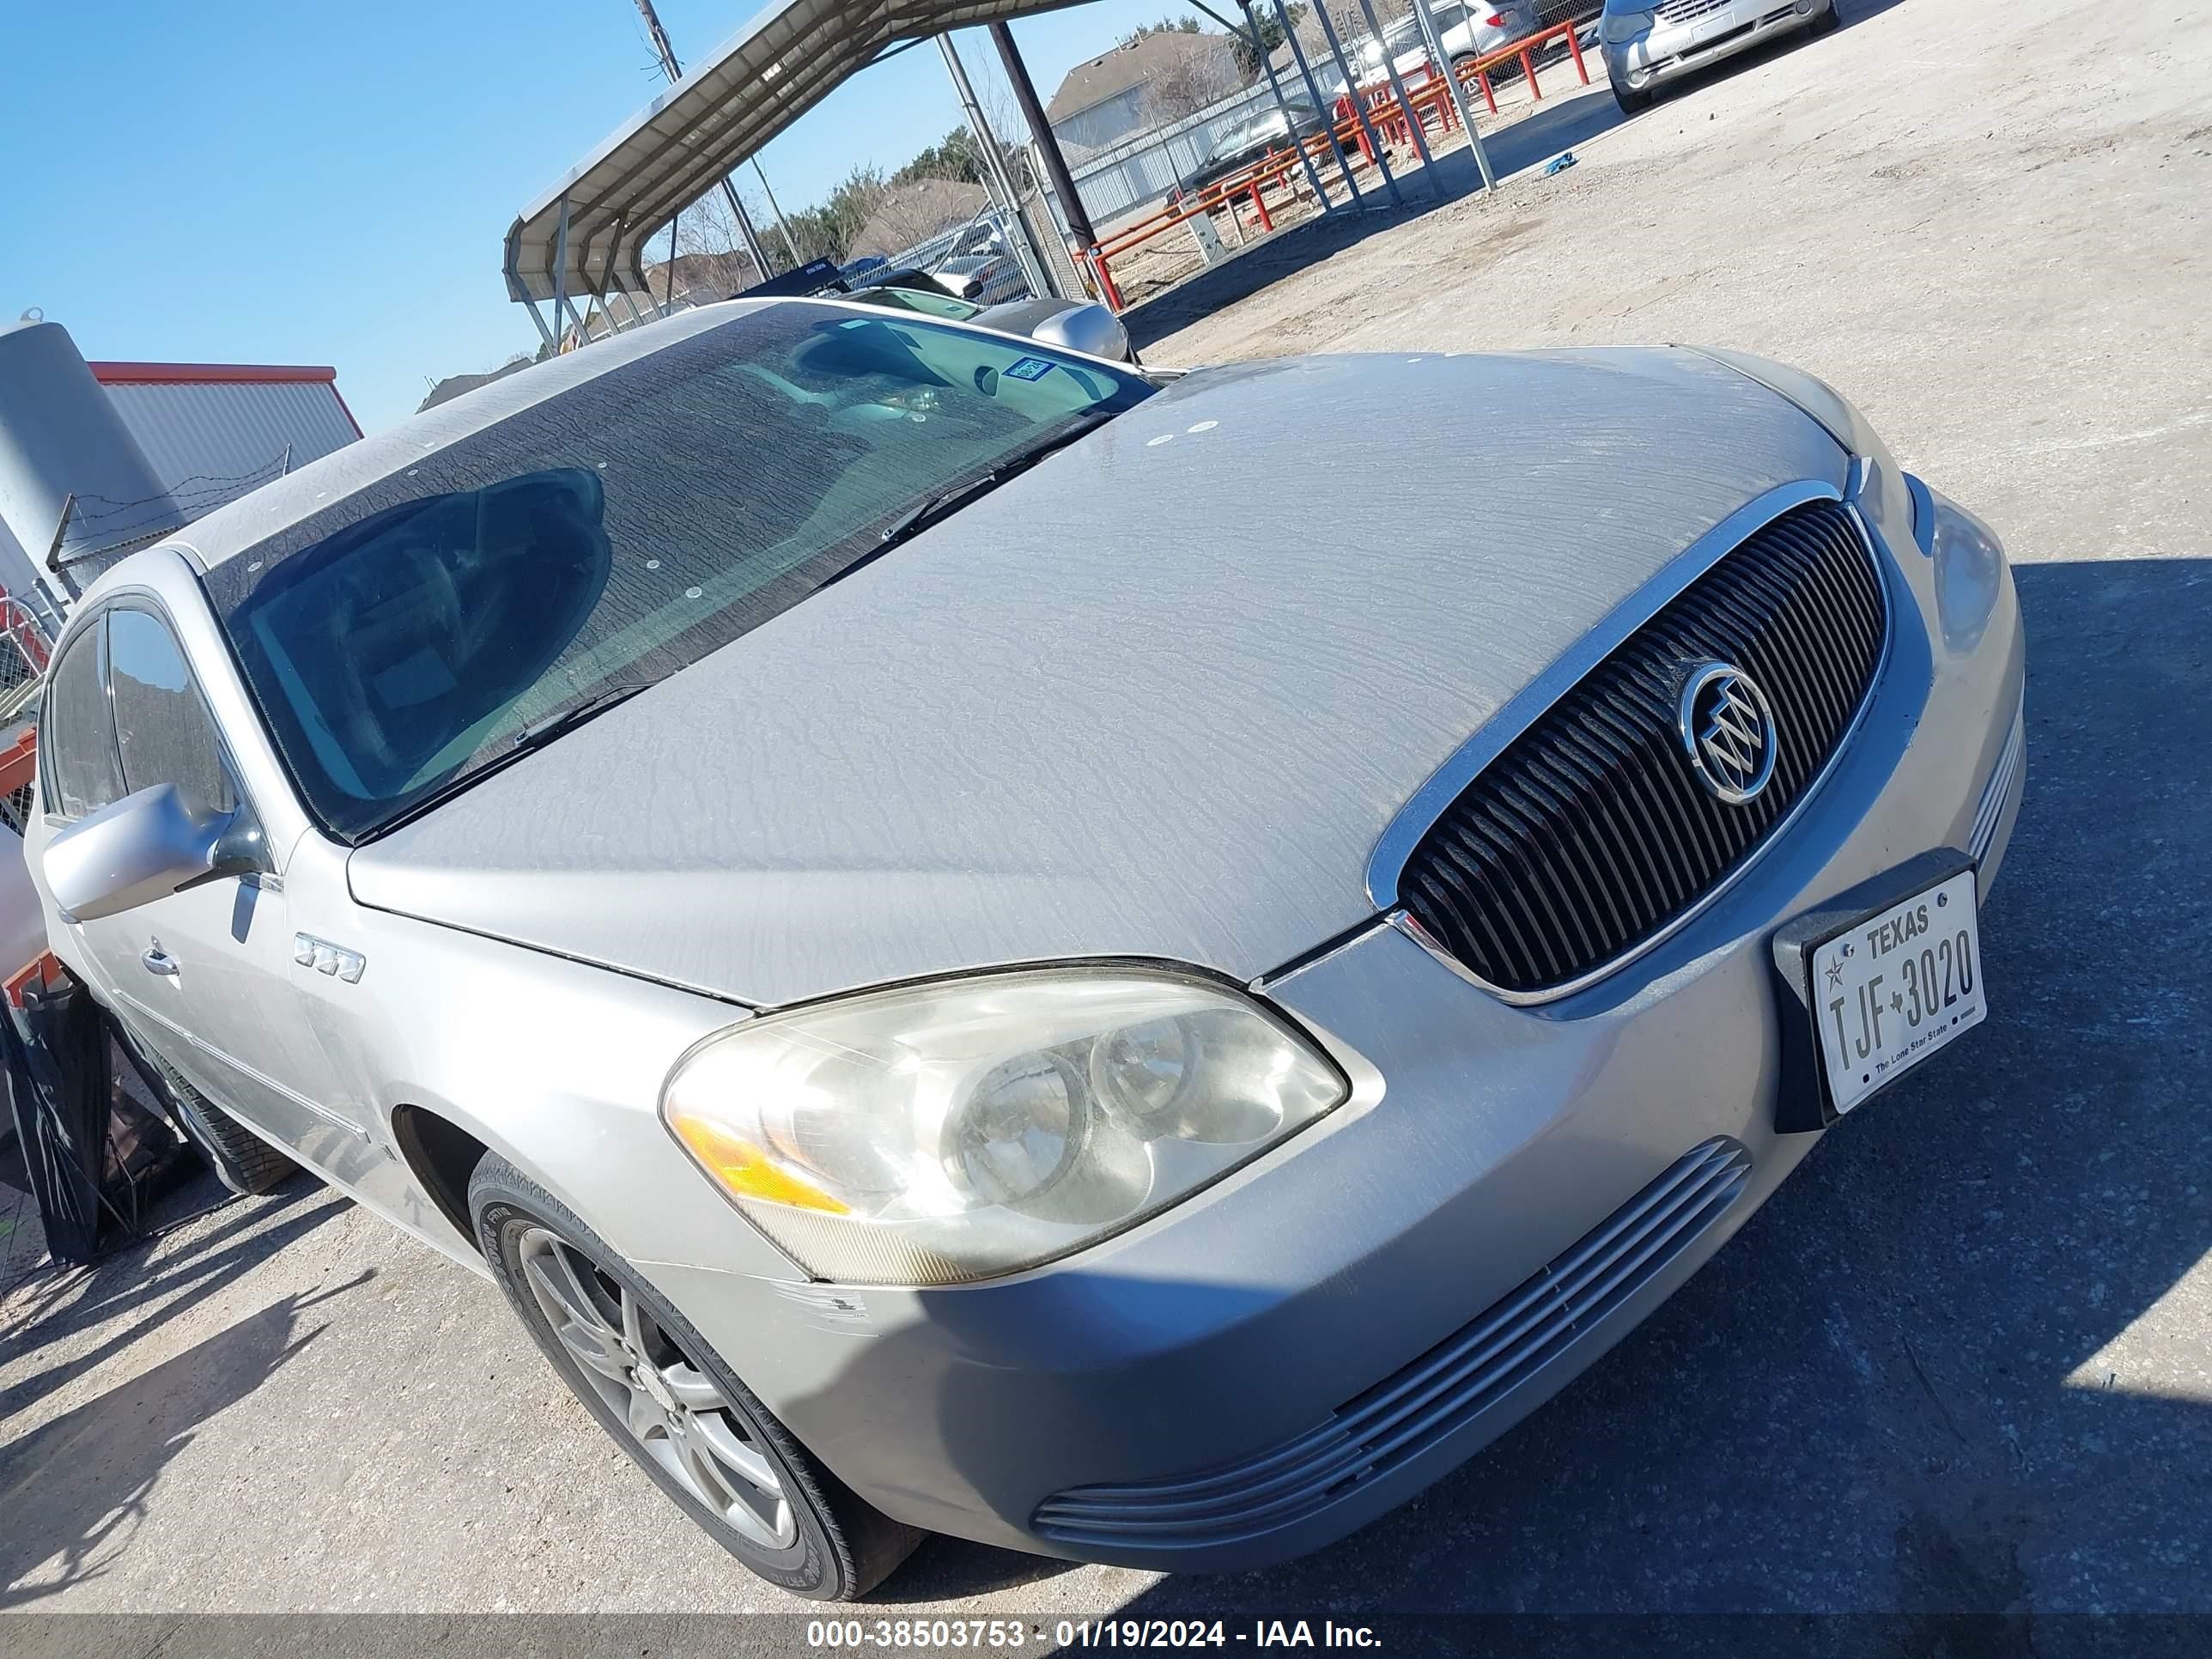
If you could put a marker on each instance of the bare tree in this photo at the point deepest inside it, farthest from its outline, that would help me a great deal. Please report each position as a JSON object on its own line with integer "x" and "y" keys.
{"x": 1193, "y": 80}
{"x": 711, "y": 252}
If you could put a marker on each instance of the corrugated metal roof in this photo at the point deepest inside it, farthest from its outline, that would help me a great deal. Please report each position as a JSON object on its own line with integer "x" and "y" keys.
{"x": 210, "y": 440}
{"x": 729, "y": 104}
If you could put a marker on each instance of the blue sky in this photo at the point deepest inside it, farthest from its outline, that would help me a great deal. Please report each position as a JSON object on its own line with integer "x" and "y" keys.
{"x": 246, "y": 181}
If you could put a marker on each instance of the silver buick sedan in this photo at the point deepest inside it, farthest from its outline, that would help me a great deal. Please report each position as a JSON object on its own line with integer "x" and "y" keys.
{"x": 966, "y": 969}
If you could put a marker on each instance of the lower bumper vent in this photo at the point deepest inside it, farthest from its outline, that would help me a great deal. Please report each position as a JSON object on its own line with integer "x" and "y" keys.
{"x": 1451, "y": 1385}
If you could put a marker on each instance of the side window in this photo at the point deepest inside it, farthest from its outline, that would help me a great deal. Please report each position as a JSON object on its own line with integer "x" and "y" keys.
{"x": 76, "y": 737}
{"x": 162, "y": 726}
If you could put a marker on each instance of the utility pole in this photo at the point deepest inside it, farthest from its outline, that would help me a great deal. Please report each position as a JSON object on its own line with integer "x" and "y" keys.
{"x": 674, "y": 72}
{"x": 1055, "y": 164}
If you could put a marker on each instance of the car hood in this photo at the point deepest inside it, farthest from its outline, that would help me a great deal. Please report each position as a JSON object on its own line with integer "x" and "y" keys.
{"x": 1157, "y": 697}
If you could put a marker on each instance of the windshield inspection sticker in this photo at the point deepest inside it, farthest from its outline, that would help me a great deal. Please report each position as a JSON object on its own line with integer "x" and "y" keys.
{"x": 1029, "y": 368}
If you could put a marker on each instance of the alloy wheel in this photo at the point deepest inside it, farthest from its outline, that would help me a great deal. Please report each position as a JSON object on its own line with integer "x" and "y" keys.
{"x": 667, "y": 1401}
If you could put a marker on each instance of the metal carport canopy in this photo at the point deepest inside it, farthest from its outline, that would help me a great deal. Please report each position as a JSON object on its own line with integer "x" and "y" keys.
{"x": 729, "y": 104}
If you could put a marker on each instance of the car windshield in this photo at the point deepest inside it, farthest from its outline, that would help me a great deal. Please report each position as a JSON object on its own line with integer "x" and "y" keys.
{"x": 913, "y": 299}
{"x": 408, "y": 635}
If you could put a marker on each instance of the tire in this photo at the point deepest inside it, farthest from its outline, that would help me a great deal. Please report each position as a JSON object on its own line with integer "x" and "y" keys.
{"x": 241, "y": 1160}
{"x": 1631, "y": 103}
{"x": 811, "y": 1535}
{"x": 1829, "y": 21}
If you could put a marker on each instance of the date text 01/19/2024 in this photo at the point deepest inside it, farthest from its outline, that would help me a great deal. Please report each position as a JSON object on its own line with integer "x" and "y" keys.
{"x": 940, "y": 1635}
{"x": 1176, "y": 1633}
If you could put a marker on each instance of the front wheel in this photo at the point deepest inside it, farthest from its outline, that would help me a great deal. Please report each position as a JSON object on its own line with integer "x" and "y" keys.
{"x": 1829, "y": 21}
{"x": 673, "y": 1404}
{"x": 1631, "y": 103}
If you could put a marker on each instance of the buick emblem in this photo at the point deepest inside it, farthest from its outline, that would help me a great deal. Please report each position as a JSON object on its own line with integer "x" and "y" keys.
{"x": 1728, "y": 730}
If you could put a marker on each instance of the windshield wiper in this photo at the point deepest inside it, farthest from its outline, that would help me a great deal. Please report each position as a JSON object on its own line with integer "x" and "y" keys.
{"x": 547, "y": 727}
{"x": 536, "y": 735}
{"x": 932, "y": 508}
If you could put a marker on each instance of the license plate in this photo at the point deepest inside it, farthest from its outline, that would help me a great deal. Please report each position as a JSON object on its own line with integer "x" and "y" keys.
{"x": 1897, "y": 986}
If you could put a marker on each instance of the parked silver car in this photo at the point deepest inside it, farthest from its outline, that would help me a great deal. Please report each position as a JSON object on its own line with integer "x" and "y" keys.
{"x": 955, "y": 985}
{"x": 1650, "y": 43}
{"x": 1074, "y": 324}
{"x": 1468, "y": 31}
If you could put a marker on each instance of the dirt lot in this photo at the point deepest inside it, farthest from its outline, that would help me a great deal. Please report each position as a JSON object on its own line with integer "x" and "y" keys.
{"x": 1963, "y": 1362}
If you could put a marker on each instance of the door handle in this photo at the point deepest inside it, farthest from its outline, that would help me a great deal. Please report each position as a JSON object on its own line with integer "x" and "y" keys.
{"x": 159, "y": 961}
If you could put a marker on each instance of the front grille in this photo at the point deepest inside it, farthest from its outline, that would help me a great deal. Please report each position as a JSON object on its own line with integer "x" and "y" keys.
{"x": 1685, "y": 11}
{"x": 1449, "y": 1387}
{"x": 1590, "y": 835}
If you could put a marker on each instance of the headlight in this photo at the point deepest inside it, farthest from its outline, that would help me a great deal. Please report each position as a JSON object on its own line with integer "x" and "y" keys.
{"x": 1970, "y": 565}
{"x": 953, "y": 1131}
{"x": 1620, "y": 28}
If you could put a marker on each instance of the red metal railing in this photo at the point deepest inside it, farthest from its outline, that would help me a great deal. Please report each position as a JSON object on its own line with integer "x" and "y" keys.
{"x": 1428, "y": 100}
{"x": 19, "y": 762}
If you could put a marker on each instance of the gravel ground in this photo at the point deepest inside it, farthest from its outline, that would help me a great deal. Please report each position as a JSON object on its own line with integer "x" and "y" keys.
{"x": 1962, "y": 1363}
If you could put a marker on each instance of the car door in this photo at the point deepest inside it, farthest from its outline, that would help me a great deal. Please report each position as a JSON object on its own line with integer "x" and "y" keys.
{"x": 203, "y": 977}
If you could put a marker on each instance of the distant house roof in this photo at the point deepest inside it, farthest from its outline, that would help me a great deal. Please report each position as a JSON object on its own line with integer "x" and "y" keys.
{"x": 916, "y": 211}
{"x": 1107, "y": 76}
{"x": 453, "y": 385}
{"x": 703, "y": 278}
{"x": 214, "y": 431}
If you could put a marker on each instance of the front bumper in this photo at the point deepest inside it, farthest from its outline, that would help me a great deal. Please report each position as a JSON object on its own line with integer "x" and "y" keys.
{"x": 1508, "y": 1193}
{"x": 1672, "y": 50}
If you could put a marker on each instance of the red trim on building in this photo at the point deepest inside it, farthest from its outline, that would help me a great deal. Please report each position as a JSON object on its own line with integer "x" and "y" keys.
{"x": 207, "y": 374}
{"x": 343, "y": 410}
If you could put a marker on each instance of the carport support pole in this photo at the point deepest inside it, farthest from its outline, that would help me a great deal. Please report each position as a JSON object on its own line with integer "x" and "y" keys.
{"x": 1405, "y": 104}
{"x": 782, "y": 224}
{"x": 1048, "y": 144}
{"x": 538, "y": 318}
{"x": 1036, "y": 271}
{"x": 1290, "y": 126}
{"x": 674, "y": 72}
{"x": 1458, "y": 93}
{"x": 560, "y": 269}
{"x": 1358, "y": 104}
{"x": 668, "y": 276}
{"x": 1313, "y": 91}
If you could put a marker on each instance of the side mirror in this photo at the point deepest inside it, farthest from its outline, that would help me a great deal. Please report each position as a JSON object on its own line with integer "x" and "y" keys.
{"x": 143, "y": 847}
{"x": 1091, "y": 329}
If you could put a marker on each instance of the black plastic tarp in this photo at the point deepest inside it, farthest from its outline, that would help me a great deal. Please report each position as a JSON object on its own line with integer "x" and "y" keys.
{"x": 95, "y": 1153}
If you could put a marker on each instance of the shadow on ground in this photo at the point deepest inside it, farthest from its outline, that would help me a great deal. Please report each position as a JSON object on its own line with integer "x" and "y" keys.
{"x": 139, "y": 1298}
{"x": 74, "y": 1492}
{"x": 1933, "y": 1376}
{"x": 1557, "y": 124}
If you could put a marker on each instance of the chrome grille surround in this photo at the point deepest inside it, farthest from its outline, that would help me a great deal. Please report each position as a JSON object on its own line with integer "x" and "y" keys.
{"x": 1453, "y": 1384}
{"x": 1596, "y": 819}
